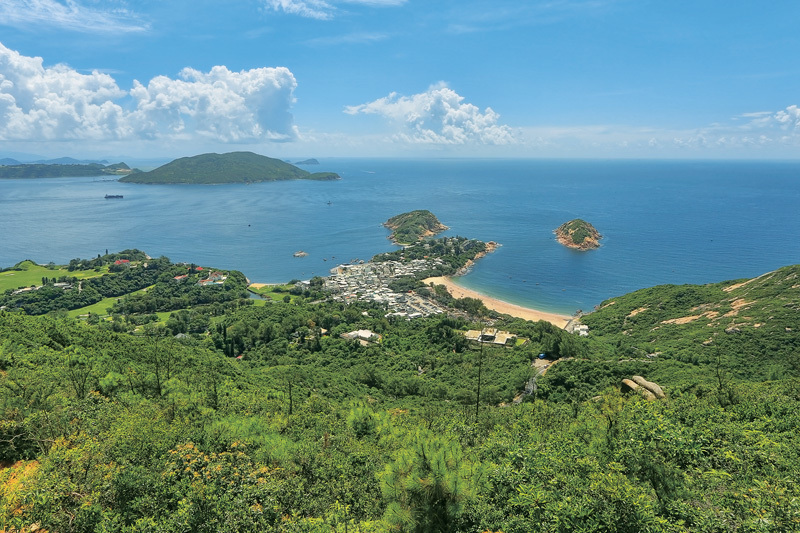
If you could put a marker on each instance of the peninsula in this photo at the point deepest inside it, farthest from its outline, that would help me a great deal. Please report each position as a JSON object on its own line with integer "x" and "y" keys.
{"x": 57, "y": 170}
{"x": 578, "y": 234}
{"x": 414, "y": 226}
{"x": 233, "y": 167}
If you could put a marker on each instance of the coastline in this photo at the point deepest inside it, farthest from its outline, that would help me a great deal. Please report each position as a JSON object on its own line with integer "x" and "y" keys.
{"x": 457, "y": 291}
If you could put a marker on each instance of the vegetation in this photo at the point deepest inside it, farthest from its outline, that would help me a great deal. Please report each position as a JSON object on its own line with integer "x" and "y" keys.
{"x": 36, "y": 170}
{"x": 578, "y": 234}
{"x": 233, "y": 167}
{"x": 232, "y": 417}
{"x": 138, "y": 283}
{"x": 413, "y": 226}
{"x": 453, "y": 254}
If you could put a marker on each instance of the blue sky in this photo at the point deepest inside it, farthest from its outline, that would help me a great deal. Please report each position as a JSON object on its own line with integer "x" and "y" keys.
{"x": 441, "y": 78}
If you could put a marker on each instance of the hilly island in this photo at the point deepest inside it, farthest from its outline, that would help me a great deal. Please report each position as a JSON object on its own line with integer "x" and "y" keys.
{"x": 413, "y": 226}
{"x": 578, "y": 234}
{"x": 233, "y": 167}
{"x": 138, "y": 394}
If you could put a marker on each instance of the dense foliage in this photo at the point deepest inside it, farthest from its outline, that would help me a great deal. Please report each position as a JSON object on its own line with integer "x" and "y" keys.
{"x": 268, "y": 418}
{"x": 233, "y": 167}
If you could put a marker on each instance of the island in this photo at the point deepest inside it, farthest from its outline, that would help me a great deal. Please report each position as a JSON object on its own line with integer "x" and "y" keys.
{"x": 414, "y": 226}
{"x": 311, "y": 161}
{"x": 48, "y": 170}
{"x": 578, "y": 234}
{"x": 233, "y": 167}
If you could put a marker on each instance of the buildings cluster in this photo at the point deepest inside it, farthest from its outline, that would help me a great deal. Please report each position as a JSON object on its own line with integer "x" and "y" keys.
{"x": 370, "y": 282}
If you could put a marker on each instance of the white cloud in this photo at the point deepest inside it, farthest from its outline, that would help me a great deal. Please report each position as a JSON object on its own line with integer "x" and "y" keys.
{"x": 223, "y": 105}
{"x": 320, "y": 9}
{"x": 58, "y": 103}
{"x": 70, "y": 14}
{"x": 438, "y": 116}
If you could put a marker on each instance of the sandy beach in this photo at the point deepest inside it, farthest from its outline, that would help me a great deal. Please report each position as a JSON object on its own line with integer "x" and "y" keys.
{"x": 498, "y": 305}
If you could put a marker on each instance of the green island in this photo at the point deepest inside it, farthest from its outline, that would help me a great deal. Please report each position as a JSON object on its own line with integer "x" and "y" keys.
{"x": 37, "y": 170}
{"x": 578, "y": 234}
{"x": 187, "y": 405}
{"x": 233, "y": 167}
{"x": 413, "y": 226}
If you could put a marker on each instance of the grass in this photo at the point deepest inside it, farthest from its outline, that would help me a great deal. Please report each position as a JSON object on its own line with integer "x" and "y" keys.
{"x": 274, "y": 292}
{"x": 98, "y": 309}
{"x": 32, "y": 274}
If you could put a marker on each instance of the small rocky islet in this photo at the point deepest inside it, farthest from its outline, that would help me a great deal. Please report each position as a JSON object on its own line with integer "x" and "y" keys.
{"x": 578, "y": 234}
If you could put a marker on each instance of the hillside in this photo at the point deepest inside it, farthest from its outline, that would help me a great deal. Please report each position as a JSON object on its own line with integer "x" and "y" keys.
{"x": 413, "y": 226}
{"x": 190, "y": 407}
{"x": 749, "y": 328}
{"x": 578, "y": 234}
{"x": 233, "y": 167}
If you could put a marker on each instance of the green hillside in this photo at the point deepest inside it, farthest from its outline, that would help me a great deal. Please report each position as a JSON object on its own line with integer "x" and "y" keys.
{"x": 233, "y": 167}
{"x": 225, "y": 416}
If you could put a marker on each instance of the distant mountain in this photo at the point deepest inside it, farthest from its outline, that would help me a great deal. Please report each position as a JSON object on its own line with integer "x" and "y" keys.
{"x": 233, "y": 167}
{"x": 41, "y": 170}
{"x": 311, "y": 161}
{"x": 9, "y": 161}
{"x": 69, "y": 161}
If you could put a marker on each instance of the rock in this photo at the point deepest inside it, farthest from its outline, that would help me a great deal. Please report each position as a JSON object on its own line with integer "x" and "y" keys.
{"x": 650, "y": 386}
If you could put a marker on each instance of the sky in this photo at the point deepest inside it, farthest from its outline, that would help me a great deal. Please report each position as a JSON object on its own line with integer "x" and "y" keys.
{"x": 400, "y": 78}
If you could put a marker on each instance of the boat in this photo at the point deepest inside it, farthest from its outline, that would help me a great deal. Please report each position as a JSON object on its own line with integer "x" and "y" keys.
{"x": 110, "y": 196}
{"x": 300, "y": 254}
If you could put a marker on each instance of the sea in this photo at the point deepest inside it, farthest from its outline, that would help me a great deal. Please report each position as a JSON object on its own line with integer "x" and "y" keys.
{"x": 663, "y": 222}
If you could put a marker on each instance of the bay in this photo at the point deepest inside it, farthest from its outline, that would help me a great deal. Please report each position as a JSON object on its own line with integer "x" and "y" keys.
{"x": 662, "y": 221}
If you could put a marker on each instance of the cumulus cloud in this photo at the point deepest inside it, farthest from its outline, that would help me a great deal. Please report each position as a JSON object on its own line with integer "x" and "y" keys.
{"x": 56, "y": 102}
{"x": 59, "y": 103}
{"x": 70, "y": 14}
{"x": 438, "y": 116}
{"x": 320, "y": 9}
{"x": 220, "y": 104}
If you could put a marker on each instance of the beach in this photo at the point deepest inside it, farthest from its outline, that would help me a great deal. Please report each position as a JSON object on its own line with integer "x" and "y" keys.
{"x": 500, "y": 306}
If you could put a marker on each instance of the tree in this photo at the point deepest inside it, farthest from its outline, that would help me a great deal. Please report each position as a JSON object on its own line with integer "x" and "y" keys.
{"x": 428, "y": 484}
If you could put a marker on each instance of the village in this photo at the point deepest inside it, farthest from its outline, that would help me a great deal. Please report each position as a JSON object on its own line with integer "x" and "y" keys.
{"x": 370, "y": 282}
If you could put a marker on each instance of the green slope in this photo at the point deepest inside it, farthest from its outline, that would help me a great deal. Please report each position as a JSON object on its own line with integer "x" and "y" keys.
{"x": 748, "y": 326}
{"x": 233, "y": 167}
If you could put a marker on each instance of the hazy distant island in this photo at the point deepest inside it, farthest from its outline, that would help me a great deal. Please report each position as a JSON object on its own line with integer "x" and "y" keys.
{"x": 311, "y": 161}
{"x": 578, "y": 234}
{"x": 233, "y": 167}
{"x": 58, "y": 170}
{"x": 411, "y": 227}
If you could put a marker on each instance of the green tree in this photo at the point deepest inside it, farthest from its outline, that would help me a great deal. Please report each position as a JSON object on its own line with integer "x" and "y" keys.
{"x": 428, "y": 483}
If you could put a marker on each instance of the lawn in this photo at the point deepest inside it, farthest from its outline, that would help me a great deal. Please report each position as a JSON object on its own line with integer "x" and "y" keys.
{"x": 274, "y": 292}
{"x": 98, "y": 309}
{"x": 32, "y": 274}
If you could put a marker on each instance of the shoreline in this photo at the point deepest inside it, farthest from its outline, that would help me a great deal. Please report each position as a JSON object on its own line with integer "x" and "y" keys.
{"x": 527, "y": 313}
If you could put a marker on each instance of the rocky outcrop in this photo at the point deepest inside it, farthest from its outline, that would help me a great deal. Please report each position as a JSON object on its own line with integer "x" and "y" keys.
{"x": 578, "y": 234}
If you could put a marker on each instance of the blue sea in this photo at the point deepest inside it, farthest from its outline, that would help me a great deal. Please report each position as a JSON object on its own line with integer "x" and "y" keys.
{"x": 662, "y": 221}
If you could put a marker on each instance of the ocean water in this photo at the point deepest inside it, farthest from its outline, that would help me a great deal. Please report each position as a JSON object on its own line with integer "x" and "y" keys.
{"x": 662, "y": 221}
